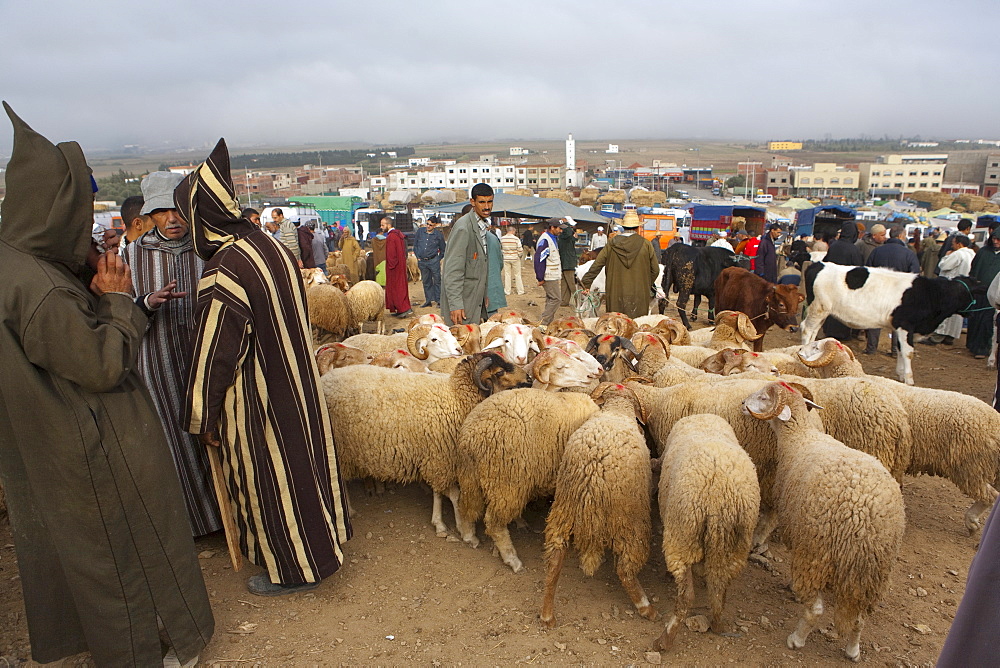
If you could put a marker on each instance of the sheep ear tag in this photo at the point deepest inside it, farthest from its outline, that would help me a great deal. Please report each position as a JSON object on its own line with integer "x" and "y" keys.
{"x": 786, "y": 414}
{"x": 812, "y": 404}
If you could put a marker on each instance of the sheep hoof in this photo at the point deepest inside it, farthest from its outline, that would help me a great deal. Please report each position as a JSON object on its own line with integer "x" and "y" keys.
{"x": 549, "y": 623}
{"x": 472, "y": 541}
{"x": 856, "y": 656}
{"x": 649, "y": 612}
{"x": 793, "y": 642}
{"x": 514, "y": 563}
{"x": 762, "y": 561}
{"x": 441, "y": 533}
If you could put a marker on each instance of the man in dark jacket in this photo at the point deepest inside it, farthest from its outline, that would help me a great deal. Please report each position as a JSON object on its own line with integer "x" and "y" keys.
{"x": 871, "y": 241}
{"x": 766, "y": 265}
{"x": 842, "y": 251}
{"x": 568, "y": 256}
{"x": 429, "y": 247}
{"x": 893, "y": 254}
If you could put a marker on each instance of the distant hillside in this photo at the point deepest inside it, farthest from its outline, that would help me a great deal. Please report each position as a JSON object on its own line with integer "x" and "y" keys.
{"x": 340, "y": 157}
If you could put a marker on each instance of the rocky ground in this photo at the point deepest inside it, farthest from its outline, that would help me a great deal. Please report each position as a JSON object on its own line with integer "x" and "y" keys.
{"x": 406, "y": 596}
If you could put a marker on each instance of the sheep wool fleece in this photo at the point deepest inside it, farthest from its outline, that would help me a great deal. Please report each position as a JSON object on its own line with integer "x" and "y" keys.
{"x": 254, "y": 381}
{"x": 102, "y": 538}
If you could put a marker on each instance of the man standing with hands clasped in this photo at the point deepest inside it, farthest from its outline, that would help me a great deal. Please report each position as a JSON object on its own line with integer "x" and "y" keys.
{"x": 464, "y": 273}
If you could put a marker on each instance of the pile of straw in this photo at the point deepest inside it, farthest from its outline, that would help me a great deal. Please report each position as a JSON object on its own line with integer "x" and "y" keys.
{"x": 612, "y": 197}
{"x": 557, "y": 194}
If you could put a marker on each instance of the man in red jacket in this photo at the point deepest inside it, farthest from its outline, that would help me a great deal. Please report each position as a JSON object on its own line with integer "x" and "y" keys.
{"x": 397, "y": 292}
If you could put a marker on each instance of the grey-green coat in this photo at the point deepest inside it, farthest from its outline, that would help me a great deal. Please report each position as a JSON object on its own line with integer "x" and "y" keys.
{"x": 102, "y": 538}
{"x": 464, "y": 271}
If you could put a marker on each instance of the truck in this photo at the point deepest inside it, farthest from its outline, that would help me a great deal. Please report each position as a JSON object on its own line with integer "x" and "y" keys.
{"x": 660, "y": 226}
{"x": 821, "y": 220}
{"x": 709, "y": 218}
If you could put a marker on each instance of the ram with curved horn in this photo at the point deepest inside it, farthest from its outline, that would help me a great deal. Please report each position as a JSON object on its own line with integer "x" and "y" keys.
{"x": 431, "y": 343}
{"x": 830, "y": 358}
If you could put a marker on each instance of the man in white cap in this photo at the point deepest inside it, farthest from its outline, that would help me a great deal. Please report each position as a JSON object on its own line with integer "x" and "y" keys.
{"x": 599, "y": 240}
{"x": 722, "y": 241}
{"x": 165, "y": 256}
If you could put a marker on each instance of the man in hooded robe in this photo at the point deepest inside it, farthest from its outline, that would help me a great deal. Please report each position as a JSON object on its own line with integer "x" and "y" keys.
{"x": 631, "y": 268}
{"x": 253, "y": 391}
{"x": 103, "y": 544}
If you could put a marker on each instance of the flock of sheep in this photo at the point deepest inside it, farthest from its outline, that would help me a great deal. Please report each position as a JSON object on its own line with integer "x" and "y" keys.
{"x": 604, "y": 415}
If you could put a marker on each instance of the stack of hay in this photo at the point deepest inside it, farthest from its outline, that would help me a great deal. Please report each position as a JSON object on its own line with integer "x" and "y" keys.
{"x": 557, "y": 194}
{"x": 647, "y": 198}
{"x": 612, "y": 197}
{"x": 936, "y": 200}
{"x": 589, "y": 196}
{"x": 523, "y": 192}
{"x": 974, "y": 203}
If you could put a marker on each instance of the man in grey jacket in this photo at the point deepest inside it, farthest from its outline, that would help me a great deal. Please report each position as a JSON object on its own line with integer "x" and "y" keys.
{"x": 464, "y": 270}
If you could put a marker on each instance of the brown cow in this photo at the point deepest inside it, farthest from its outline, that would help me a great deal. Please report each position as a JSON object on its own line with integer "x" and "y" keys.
{"x": 737, "y": 289}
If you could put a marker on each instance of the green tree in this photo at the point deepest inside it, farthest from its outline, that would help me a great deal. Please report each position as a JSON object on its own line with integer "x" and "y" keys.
{"x": 118, "y": 186}
{"x": 737, "y": 181}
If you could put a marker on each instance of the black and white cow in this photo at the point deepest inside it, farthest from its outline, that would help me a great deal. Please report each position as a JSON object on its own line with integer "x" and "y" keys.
{"x": 691, "y": 270}
{"x": 871, "y": 297}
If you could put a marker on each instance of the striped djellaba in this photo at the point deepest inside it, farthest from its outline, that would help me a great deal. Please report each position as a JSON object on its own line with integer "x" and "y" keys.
{"x": 164, "y": 358}
{"x": 254, "y": 381}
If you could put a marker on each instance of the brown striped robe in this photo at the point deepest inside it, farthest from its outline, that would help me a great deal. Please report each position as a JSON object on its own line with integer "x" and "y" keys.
{"x": 164, "y": 358}
{"x": 254, "y": 381}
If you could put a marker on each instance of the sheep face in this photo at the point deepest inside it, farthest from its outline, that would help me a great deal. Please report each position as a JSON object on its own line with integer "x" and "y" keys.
{"x": 313, "y": 277}
{"x": 821, "y": 353}
{"x": 608, "y": 349}
{"x": 432, "y": 342}
{"x": 577, "y": 352}
{"x": 554, "y": 369}
{"x": 512, "y": 341}
{"x": 776, "y": 401}
{"x": 615, "y": 323}
{"x": 468, "y": 337}
{"x": 400, "y": 359}
{"x": 492, "y": 373}
{"x": 339, "y": 355}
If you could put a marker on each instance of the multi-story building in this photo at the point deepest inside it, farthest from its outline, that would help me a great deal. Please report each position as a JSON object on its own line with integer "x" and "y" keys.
{"x": 541, "y": 177}
{"x": 464, "y": 175}
{"x": 784, "y": 146}
{"x": 778, "y": 182}
{"x": 826, "y": 179}
{"x": 898, "y": 175}
{"x": 991, "y": 181}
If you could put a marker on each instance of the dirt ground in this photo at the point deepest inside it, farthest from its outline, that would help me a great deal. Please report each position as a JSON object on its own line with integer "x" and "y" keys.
{"x": 406, "y": 596}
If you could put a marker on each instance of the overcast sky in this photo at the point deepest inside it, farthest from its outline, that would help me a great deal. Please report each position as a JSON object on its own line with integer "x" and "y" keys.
{"x": 109, "y": 73}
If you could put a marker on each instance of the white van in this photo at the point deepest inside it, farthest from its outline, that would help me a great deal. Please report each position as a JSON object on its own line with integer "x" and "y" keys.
{"x": 761, "y": 198}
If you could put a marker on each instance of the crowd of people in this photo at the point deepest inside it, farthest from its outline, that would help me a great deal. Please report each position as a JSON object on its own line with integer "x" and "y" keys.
{"x": 183, "y": 345}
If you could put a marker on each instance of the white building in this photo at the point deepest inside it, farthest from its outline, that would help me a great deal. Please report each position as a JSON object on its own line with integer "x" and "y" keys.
{"x": 418, "y": 162}
{"x": 896, "y": 175}
{"x": 574, "y": 178}
{"x": 517, "y": 150}
{"x": 612, "y": 148}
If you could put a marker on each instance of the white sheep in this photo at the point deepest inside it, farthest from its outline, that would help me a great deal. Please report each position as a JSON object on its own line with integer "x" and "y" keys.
{"x": 425, "y": 342}
{"x": 401, "y": 359}
{"x": 709, "y": 504}
{"x": 513, "y": 341}
{"x": 841, "y": 515}
{"x": 337, "y": 355}
{"x": 733, "y": 329}
{"x": 554, "y": 369}
{"x": 328, "y": 310}
{"x": 955, "y": 436}
{"x": 830, "y": 358}
{"x": 963, "y": 448}
{"x": 602, "y": 498}
{"x": 510, "y": 447}
{"x": 376, "y": 439}
{"x": 858, "y": 413}
{"x": 365, "y": 303}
